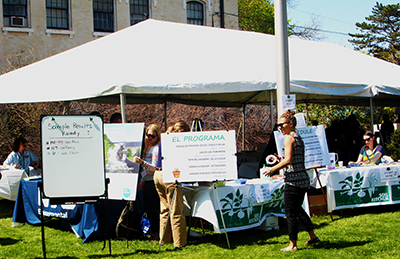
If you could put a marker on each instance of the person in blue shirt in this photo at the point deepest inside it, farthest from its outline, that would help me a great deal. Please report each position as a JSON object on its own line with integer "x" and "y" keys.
{"x": 20, "y": 157}
{"x": 371, "y": 152}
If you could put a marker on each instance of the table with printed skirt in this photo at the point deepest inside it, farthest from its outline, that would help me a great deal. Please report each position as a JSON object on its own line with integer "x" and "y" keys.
{"x": 87, "y": 220}
{"x": 362, "y": 186}
{"x": 242, "y": 206}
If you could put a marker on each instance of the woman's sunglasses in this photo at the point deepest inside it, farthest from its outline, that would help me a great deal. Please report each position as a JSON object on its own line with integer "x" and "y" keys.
{"x": 280, "y": 124}
{"x": 367, "y": 139}
{"x": 151, "y": 136}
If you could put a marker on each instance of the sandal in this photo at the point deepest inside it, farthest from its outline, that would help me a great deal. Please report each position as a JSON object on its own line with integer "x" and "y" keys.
{"x": 312, "y": 241}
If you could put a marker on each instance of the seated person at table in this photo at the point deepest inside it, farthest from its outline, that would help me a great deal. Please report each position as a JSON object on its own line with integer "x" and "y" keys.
{"x": 371, "y": 152}
{"x": 20, "y": 157}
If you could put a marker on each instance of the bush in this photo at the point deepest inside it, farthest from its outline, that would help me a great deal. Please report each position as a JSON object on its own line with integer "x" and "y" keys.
{"x": 394, "y": 146}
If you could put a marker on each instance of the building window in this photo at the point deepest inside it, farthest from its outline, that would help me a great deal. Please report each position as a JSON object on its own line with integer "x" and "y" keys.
{"x": 139, "y": 10}
{"x": 103, "y": 15}
{"x": 57, "y": 14}
{"x": 195, "y": 13}
{"x": 15, "y": 13}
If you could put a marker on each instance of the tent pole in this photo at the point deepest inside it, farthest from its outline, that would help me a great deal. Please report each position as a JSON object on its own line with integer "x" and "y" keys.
{"x": 281, "y": 53}
{"x": 122, "y": 99}
{"x": 243, "y": 126}
{"x": 165, "y": 116}
{"x": 307, "y": 118}
{"x": 372, "y": 114}
{"x": 271, "y": 108}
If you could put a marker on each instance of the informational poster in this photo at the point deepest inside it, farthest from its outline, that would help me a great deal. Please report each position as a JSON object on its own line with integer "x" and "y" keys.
{"x": 199, "y": 156}
{"x": 122, "y": 186}
{"x": 122, "y": 141}
{"x": 289, "y": 102}
{"x": 316, "y": 147}
{"x": 389, "y": 174}
{"x": 73, "y": 157}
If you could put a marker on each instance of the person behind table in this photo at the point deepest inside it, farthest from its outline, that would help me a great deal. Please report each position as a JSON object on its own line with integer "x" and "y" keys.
{"x": 20, "y": 157}
{"x": 296, "y": 180}
{"x": 176, "y": 226}
{"x": 116, "y": 118}
{"x": 371, "y": 152}
{"x": 149, "y": 164}
{"x": 386, "y": 129}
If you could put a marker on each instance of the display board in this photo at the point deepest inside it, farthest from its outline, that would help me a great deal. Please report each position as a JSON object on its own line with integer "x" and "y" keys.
{"x": 122, "y": 141}
{"x": 316, "y": 147}
{"x": 73, "y": 157}
{"x": 199, "y": 156}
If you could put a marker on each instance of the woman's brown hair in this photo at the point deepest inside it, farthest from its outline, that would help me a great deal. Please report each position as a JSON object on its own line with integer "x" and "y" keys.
{"x": 289, "y": 116}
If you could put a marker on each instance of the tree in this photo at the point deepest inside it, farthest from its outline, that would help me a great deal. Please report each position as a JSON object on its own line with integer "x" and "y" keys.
{"x": 326, "y": 114}
{"x": 259, "y": 16}
{"x": 380, "y": 35}
{"x": 256, "y": 15}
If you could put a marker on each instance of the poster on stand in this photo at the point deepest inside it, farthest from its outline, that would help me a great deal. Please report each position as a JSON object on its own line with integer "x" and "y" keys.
{"x": 199, "y": 156}
{"x": 122, "y": 141}
{"x": 316, "y": 147}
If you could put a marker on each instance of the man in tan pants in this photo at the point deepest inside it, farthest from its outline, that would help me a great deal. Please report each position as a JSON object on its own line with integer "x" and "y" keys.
{"x": 176, "y": 226}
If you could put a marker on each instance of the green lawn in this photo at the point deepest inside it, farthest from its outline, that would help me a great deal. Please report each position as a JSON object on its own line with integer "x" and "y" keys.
{"x": 358, "y": 233}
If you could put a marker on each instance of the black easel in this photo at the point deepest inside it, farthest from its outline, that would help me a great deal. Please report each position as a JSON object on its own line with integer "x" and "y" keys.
{"x": 107, "y": 220}
{"x": 40, "y": 186}
{"x": 106, "y": 213}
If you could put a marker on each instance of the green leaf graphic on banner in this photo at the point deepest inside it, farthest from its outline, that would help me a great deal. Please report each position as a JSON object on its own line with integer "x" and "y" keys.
{"x": 352, "y": 192}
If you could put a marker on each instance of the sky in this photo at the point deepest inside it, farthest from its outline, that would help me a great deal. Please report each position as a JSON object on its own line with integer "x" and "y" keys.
{"x": 336, "y": 18}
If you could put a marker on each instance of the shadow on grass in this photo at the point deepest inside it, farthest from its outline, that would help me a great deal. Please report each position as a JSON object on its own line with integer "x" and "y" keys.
{"x": 6, "y": 208}
{"x": 8, "y": 241}
{"x": 66, "y": 257}
{"x": 123, "y": 255}
{"x": 238, "y": 238}
{"x": 338, "y": 245}
{"x": 347, "y": 213}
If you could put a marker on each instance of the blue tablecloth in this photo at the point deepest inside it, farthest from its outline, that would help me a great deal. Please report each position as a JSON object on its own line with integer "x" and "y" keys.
{"x": 86, "y": 220}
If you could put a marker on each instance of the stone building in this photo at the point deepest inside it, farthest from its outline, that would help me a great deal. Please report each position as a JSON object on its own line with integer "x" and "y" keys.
{"x": 46, "y": 27}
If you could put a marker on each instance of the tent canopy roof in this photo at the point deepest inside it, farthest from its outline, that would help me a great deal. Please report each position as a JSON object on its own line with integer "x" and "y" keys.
{"x": 157, "y": 61}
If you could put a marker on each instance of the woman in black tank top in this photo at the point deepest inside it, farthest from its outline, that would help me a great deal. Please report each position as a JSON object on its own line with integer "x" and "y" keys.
{"x": 296, "y": 180}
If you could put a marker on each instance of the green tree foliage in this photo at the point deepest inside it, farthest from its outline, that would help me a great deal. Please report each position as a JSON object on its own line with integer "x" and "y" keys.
{"x": 256, "y": 15}
{"x": 23, "y": 120}
{"x": 394, "y": 146}
{"x": 380, "y": 34}
{"x": 259, "y": 16}
{"x": 326, "y": 114}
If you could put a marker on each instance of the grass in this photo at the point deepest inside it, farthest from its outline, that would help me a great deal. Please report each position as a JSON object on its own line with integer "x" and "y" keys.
{"x": 358, "y": 233}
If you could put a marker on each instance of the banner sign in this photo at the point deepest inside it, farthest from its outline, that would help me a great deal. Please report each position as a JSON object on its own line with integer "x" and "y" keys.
{"x": 199, "y": 156}
{"x": 247, "y": 206}
{"x": 316, "y": 147}
{"x": 363, "y": 186}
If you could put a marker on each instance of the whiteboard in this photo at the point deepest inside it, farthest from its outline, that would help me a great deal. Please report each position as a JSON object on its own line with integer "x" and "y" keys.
{"x": 73, "y": 156}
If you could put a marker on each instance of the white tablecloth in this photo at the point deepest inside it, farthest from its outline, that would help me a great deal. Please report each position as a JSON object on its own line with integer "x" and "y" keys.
{"x": 363, "y": 186}
{"x": 9, "y": 182}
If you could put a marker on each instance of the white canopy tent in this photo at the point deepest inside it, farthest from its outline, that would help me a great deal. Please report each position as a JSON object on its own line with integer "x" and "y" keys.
{"x": 157, "y": 61}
